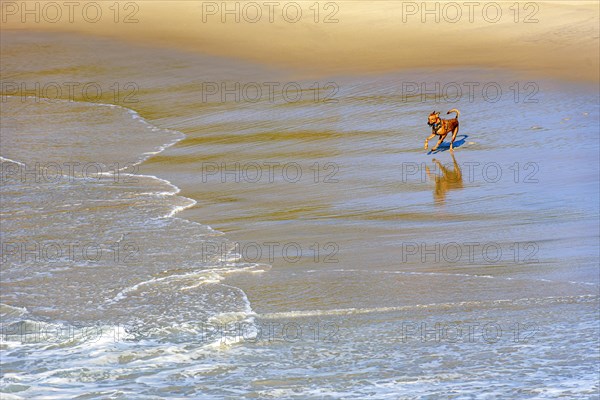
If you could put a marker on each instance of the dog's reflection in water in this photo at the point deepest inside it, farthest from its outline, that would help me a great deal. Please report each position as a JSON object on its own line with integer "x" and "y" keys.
{"x": 448, "y": 180}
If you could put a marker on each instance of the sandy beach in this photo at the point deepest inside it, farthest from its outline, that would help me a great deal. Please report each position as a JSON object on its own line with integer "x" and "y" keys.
{"x": 545, "y": 38}
{"x": 249, "y": 211}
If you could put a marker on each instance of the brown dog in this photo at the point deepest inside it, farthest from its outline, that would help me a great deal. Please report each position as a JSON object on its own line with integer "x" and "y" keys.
{"x": 442, "y": 127}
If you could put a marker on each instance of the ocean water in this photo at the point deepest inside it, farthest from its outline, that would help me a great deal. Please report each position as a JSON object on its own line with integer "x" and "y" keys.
{"x": 127, "y": 272}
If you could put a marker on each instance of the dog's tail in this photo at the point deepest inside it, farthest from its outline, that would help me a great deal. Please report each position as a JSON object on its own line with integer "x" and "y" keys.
{"x": 456, "y": 111}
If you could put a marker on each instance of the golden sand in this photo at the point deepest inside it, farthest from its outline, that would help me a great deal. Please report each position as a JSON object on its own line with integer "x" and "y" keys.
{"x": 548, "y": 38}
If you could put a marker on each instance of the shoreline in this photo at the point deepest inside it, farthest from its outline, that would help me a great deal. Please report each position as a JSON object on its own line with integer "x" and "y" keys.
{"x": 164, "y": 197}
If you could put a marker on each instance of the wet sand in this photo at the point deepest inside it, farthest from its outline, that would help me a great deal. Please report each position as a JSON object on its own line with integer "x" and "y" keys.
{"x": 371, "y": 206}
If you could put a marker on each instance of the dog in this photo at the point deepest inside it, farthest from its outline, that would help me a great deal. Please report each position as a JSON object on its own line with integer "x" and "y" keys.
{"x": 442, "y": 127}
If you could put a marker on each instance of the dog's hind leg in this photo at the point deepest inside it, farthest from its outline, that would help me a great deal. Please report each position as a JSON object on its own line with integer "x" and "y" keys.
{"x": 454, "y": 133}
{"x": 427, "y": 140}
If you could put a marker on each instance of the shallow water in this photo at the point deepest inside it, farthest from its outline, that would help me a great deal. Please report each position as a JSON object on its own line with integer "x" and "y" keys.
{"x": 164, "y": 295}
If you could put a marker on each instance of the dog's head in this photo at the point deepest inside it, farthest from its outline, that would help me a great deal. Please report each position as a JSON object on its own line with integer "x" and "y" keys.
{"x": 433, "y": 118}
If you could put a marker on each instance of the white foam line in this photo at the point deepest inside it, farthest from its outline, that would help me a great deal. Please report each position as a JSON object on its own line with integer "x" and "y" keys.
{"x": 351, "y": 311}
{"x": 215, "y": 275}
{"x": 123, "y": 293}
{"x": 10, "y": 310}
{"x": 583, "y": 283}
{"x": 136, "y": 116}
{"x": 463, "y": 275}
{"x": 181, "y": 208}
{"x": 6, "y": 159}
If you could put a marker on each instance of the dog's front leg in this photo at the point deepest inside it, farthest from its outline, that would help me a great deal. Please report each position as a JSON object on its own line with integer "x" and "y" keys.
{"x": 439, "y": 142}
{"x": 427, "y": 140}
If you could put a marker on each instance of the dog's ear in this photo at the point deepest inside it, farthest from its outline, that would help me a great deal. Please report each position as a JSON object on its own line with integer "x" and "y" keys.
{"x": 437, "y": 113}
